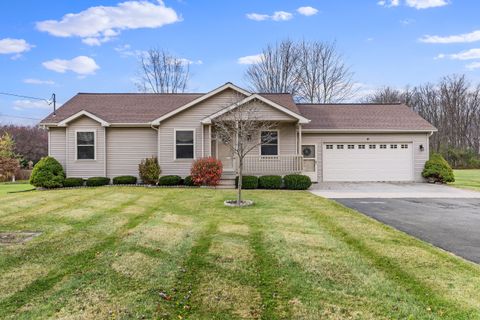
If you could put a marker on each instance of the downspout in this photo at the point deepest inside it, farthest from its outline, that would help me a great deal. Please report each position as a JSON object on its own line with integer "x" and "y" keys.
{"x": 158, "y": 140}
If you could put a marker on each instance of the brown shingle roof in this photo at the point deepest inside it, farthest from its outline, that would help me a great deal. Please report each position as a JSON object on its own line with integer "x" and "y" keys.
{"x": 283, "y": 99}
{"x": 122, "y": 108}
{"x": 363, "y": 116}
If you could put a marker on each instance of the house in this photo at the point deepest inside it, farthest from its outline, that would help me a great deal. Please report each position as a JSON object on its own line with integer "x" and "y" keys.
{"x": 104, "y": 134}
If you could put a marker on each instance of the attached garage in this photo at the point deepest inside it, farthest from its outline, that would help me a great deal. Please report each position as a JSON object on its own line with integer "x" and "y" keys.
{"x": 371, "y": 161}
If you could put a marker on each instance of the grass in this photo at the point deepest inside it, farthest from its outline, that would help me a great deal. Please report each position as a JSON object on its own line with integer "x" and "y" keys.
{"x": 467, "y": 179}
{"x": 6, "y": 187}
{"x": 133, "y": 253}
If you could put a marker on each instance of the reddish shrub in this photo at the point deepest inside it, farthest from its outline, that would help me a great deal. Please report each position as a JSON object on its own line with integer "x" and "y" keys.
{"x": 206, "y": 171}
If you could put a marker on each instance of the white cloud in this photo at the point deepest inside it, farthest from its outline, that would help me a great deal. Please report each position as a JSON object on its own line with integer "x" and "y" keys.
{"x": 256, "y": 58}
{"x": 30, "y": 104}
{"x": 425, "y": 4}
{"x": 407, "y": 22}
{"x": 307, "y": 11}
{"x": 464, "y": 55}
{"x": 473, "y": 65}
{"x": 38, "y": 81}
{"x": 81, "y": 65}
{"x": 459, "y": 38}
{"x": 100, "y": 24}
{"x": 281, "y": 16}
{"x": 417, "y": 4}
{"x": 10, "y": 46}
{"x": 258, "y": 16}
{"x": 276, "y": 16}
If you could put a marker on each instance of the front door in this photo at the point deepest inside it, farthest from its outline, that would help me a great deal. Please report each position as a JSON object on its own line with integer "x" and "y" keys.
{"x": 225, "y": 154}
{"x": 309, "y": 152}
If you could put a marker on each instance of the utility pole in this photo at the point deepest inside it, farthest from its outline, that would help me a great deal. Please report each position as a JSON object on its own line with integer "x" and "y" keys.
{"x": 54, "y": 101}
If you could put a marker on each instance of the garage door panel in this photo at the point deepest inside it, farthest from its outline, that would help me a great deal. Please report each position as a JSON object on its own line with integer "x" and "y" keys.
{"x": 367, "y": 164}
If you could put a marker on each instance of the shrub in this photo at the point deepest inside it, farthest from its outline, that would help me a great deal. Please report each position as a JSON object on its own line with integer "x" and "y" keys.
{"x": 297, "y": 182}
{"x": 188, "y": 181}
{"x": 149, "y": 170}
{"x": 169, "y": 181}
{"x": 248, "y": 182}
{"x": 270, "y": 182}
{"x": 437, "y": 169}
{"x": 206, "y": 171}
{"x": 124, "y": 180}
{"x": 97, "y": 181}
{"x": 73, "y": 182}
{"x": 47, "y": 173}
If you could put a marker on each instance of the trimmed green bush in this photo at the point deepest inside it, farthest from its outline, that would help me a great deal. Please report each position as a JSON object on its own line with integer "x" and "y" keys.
{"x": 97, "y": 181}
{"x": 297, "y": 182}
{"x": 248, "y": 182}
{"x": 149, "y": 170}
{"x": 73, "y": 182}
{"x": 47, "y": 173}
{"x": 169, "y": 181}
{"x": 188, "y": 181}
{"x": 124, "y": 180}
{"x": 437, "y": 169}
{"x": 270, "y": 182}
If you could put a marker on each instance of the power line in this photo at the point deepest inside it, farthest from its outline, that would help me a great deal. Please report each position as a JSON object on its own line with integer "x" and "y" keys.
{"x": 25, "y": 97}
{"x": 20, "y": 117}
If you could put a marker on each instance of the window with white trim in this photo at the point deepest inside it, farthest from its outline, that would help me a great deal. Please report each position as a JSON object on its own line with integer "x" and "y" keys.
{"x": 383, "y": 146}
{"x": 404, "y": 146}
{"x": 85, "y": 145}
{"x": 184, "y": 144}
{"x": 393, "y": 146}
{"x": 361, "y": 146}
{"x": 329, "y": 146}
{"x": 269, "y": 143}
{"x": 372, "y": 146}
{"x": 339, "y": 146}
{"x": 351, "y": 146}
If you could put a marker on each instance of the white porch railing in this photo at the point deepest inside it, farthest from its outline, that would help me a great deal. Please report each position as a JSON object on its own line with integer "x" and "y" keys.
{"x": 278, "y": 165}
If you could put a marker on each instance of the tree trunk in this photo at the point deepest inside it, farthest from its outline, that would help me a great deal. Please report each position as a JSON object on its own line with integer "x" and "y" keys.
{"x": 239, "y": 187}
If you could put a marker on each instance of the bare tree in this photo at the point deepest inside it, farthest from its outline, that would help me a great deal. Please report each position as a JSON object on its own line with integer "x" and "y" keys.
{"x": 239, "y": 129}
{"x": 312, "y": 72}
{"x": 386, "y": 95}
{"x": 277, "y": 70}
{"x": 162, "y": 72}
{"x": 323, "y": 76}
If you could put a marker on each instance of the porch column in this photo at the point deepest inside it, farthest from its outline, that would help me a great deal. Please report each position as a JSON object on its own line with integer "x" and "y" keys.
{"x": 299, "y": 139}
{"x": 210, "y": 140}
{"x": 203, "y": 140}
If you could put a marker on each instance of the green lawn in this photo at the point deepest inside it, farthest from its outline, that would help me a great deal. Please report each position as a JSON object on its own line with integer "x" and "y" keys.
{"x": 129, "y": 253}
{"x": 6, "y": 187}
{"x": 467, "y": 179}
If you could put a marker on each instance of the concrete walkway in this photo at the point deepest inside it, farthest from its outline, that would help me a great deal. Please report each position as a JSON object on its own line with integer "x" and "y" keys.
{"x": 360, "y": 190}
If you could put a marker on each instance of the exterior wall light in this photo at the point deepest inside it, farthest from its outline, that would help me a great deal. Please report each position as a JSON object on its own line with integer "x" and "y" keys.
{"x": 422, "y": 148}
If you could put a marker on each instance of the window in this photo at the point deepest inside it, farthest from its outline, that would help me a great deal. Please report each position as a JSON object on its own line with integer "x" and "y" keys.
{"x": 85, "y": 145}
{"x": 339, "y": 146}
{"x": 329, "y": 146}
{"x": 361, "y": 146}
{"x": 404, "y": 146}
{"x": 184, "y": 144}
{"x": 351, "y": 146}
{"x": 383, "y": 146}
{"x": 269, "y": 140}
{"x": 372, "y": 146}
{"x": 393, "y": 146}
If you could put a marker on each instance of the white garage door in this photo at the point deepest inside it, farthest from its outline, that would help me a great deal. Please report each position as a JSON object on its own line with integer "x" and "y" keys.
{"x": 367, "y": 162}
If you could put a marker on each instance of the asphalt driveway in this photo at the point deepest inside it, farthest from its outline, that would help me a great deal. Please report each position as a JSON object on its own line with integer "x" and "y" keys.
{"x": 451, "y": 224}
{"x": 446, "y": 217}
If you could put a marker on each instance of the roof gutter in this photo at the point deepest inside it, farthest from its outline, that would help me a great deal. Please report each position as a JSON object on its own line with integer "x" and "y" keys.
{"x": 368, "y": 130}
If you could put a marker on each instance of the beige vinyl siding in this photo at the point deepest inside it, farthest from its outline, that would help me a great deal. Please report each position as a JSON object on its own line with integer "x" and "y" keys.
{"x": 417, "y": 139}
{"x": 56, "y": 145}
{"x": 287, "y": 140}
{"x": 85, "y": 168}
{"x": 127, "y": 147}
{"x": 191, "y": 119}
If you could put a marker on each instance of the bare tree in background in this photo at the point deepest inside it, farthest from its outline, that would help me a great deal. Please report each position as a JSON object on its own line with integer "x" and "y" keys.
{"x": 453, "y": 106}
{"x": 312, "y": 72}
{"x": 240, "y": 129}
{"x": 277, "y": 71}
{"x": 323, "y": 76}
{"x": 162, "y": 72}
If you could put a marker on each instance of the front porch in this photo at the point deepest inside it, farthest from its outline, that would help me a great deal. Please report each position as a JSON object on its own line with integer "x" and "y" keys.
{"x": 267, "y": 165}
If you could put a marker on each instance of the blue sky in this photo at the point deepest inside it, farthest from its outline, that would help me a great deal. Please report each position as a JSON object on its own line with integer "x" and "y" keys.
{"x": 390, "y": 42}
